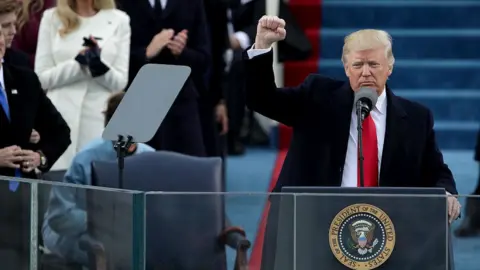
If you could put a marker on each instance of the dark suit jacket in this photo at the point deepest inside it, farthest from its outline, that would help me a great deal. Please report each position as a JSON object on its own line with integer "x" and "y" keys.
{"x": 29, "y": 108}
{"x": 17, "y": 58}
{"x": 178, "y": 15}
{"x": 296, "y": 45}
{"x": 216, "y": 14}
{"x": 319, "y": 111}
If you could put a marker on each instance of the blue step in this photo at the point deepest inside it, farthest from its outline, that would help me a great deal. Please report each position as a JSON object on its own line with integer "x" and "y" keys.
{"x": 400, "y": 14}
{"x": 417, "y": 74}
{"x": 456, "y": 135}
{"x": 413, "y": 43}
{"x": 447, "y": 105}
{"x": 449, "y": 135}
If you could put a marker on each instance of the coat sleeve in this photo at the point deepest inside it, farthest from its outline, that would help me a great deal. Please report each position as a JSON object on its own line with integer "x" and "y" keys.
{"x": 284, "y": 105}
{"x": 51, "y": 74}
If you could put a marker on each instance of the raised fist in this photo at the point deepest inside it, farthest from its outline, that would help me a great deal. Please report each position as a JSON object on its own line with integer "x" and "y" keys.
{"x": 270, "y": 29}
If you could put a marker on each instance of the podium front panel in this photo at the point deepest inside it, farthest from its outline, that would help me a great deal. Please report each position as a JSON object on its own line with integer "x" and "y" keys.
{"x": 360, "y": 231}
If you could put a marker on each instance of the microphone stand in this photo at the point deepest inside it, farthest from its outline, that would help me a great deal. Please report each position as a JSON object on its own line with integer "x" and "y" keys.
{"x": 360, "y": 118}
{"x": 121, "y": 146}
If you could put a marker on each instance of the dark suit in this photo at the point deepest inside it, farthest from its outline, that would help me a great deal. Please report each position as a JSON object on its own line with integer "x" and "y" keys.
{"x": 216, "y": 14}
{"x": 319, "y": 110}
{"x": 17, "y": 58}
{"x": 29, "y": 108}
{"x": 181, "y": 130}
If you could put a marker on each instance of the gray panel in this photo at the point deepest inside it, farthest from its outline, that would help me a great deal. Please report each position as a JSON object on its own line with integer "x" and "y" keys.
{"x": 147, "y": 102}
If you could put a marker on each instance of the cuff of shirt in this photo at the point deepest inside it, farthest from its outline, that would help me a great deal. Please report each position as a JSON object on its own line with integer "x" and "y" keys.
{"x": 252, "y": 52}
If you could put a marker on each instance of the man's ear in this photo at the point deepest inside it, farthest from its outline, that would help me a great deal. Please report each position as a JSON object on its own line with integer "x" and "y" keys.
{"x": 347, "y": 70}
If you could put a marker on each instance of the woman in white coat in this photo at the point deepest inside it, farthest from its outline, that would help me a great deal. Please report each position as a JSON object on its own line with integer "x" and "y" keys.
{"x": 79, "y": 79}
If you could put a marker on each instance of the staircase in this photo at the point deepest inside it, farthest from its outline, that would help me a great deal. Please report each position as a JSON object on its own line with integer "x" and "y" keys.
{"x": 307, "y": 14}
{"x": 437, "y": 49}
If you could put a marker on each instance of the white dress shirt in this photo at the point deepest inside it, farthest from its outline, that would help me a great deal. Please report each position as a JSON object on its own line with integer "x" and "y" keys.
{"x": 163, "y": 3}
{"x": 2, "y": 82}
{"x": 379, "y": 116}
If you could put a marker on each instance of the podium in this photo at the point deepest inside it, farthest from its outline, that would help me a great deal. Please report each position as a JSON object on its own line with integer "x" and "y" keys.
{"x": 357, "y": 228}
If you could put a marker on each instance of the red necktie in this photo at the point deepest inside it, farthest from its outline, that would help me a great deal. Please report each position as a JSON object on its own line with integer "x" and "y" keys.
{"x": 370, "y": 154}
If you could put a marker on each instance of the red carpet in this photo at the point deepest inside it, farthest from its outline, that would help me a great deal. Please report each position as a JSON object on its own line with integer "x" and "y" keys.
{"x": 256, "y": 257}
{"x": 308, "y": 15}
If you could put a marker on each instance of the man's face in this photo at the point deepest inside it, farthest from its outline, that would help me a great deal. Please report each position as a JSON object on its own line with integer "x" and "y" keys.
{"x": 368, "y": 68}
{"x": 8, "y": 22}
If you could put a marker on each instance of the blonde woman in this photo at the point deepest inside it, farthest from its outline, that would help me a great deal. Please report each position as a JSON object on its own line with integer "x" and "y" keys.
{"x": 79, "y": 77}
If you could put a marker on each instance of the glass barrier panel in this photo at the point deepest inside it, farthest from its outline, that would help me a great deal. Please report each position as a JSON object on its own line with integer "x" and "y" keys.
{"x": 364, "y": 230}
{"x": 207, "y": 230}
{"x": 466, "y": 234}
{"x": 79, "y": 226}
{"x": 15, "y": 240}
{"x": 85, "y": 227}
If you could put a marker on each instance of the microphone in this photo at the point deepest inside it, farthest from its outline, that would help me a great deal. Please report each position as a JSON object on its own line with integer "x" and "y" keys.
{"x": 365, "y": 99}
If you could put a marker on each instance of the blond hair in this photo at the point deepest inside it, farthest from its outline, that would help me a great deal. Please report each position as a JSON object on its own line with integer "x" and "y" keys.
{"x": 29, "y": 7}
{"x": 367, "y": 39}
{"x": 70, "y": 19}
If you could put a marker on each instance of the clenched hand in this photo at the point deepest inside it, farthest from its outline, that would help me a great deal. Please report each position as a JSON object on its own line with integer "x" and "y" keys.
{"x": 270, "y": 29}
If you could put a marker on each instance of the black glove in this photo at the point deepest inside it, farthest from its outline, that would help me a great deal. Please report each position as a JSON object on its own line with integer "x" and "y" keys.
{"x": 95, "y": 65}
{"x": 91, "y": 58}
{"x": 81, "y": 59}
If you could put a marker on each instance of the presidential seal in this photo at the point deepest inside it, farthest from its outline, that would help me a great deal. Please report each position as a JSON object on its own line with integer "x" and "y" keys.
{"x": 362, "y": 237}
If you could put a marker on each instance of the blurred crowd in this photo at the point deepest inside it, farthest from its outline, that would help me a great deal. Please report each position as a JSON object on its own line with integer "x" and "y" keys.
{"x": 66, "y": 67}
{"x": 82, "y": 51}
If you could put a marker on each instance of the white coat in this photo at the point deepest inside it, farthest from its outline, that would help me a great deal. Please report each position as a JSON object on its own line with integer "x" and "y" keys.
{"x": 78, "y": 96}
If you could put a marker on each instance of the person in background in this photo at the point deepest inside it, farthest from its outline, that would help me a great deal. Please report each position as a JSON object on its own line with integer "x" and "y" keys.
{"x": 23, "y": 106}
{"x": 235, "y": 77}
{"x": 213, "y": 109}
{"x": 82, "y": 55}
{"x": 173, "y": 32}
{"x": 8, "y": 20}
{"x": 65, "y": 220}
{"x": 470, "y": 225}
{"x": 28, "y": 24}
{"x": 14, "y": 57}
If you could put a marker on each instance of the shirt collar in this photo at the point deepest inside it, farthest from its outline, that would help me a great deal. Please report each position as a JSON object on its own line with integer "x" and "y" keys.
{"x": 381, "y": 105}
{"x": 2, "y": 79}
